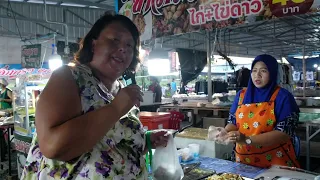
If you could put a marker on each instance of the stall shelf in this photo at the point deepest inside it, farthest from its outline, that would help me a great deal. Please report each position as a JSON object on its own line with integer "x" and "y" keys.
{"x": 25, "y": 96}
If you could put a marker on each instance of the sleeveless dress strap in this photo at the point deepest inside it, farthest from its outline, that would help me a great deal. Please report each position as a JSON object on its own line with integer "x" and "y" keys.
{"x": 274, "y": 95}
{"x": 241, "y": 97}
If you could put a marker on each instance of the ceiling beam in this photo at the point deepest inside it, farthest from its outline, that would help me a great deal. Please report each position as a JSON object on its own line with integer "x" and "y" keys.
{"x": 198, "y": 42}
{"x": 27, "y": 36}
{"x": 78, "y": 16}
{"x": 277, "y": 40}
{"x": 234, "y": 50}
{"x": 85, "y": 3}
{"x": 41, "y": 21}
{"x": 21, "y": 17}
{"x": 100, "y": 1}
{"x": 8, "y": 33}
{"x": 305, "y": 31}
{"x": 247, "y": 38}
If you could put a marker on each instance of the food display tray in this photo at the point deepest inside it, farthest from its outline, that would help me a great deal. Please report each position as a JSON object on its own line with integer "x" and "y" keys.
{"x": 198, "y": 174}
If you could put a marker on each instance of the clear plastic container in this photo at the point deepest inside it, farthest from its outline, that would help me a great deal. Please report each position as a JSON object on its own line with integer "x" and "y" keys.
{"x": 195, "y": 150}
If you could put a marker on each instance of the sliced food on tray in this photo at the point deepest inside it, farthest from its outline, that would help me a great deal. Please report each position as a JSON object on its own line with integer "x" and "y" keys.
{"x": 225, "y": 176}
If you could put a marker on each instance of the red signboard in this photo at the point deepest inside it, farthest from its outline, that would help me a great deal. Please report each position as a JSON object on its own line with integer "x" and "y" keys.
{"x": 289, "y": 7}
{"x": 157, "y": 18}
{"x": 173, "y": 61}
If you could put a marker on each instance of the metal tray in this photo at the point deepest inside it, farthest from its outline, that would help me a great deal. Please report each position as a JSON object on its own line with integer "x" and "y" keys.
{"x": 198, "y": 174}
{"x": 224, "y": 173}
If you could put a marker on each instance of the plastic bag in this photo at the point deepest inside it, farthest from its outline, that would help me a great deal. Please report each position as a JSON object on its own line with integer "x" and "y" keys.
{"x": 218, "y": 134}
{"x": 165, "y": 164}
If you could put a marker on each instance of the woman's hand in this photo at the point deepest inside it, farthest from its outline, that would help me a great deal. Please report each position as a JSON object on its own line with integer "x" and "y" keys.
{"x": 127, "y": 98}
{"x": 159, "y": 138}
{"x": 236, "y": 137}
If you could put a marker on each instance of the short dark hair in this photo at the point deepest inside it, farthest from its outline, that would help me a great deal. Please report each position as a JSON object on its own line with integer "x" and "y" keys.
{"x": 85, "y": 53}
{"x": 155, "y": 79}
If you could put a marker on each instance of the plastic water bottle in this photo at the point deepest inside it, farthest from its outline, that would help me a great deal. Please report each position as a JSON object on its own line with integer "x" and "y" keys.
{"x": 33, "y": 128}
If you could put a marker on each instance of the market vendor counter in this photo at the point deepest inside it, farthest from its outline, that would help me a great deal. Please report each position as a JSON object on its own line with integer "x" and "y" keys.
{"x": 250, "y": 172}
{"x": 224, "y": 166}
{"x": 207, "y": 148}
{"x": 212, "y": 157}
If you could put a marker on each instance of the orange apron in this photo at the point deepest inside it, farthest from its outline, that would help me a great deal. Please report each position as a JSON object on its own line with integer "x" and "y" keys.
{"x": 258, "y": 118}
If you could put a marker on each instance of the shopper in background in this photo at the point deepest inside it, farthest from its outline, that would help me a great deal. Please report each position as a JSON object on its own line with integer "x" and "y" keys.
{"x": 183, "y": 89}
{"x": 168, "y": 91}
{"x": 263, "y": 119}
{"x": 173, "y": 87}
{"x": 155, "y": 88}
{"x": 89, "y": 128}
{"x": 6, "y": 95}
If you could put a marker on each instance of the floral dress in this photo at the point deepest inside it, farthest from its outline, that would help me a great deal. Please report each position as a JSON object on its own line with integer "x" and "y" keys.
{"x": 118, "y": 156}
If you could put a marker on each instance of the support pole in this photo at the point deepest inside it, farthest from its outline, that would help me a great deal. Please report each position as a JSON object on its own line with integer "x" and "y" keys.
{"x": 209, "y": 66}
{"x": 304, "y": 67}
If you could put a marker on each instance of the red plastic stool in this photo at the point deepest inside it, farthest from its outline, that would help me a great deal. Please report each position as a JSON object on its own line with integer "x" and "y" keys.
{"x": 175, "y": 120}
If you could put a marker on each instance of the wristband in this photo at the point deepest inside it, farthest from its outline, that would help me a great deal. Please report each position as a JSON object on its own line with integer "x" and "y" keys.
{"x": 149, "y": 154}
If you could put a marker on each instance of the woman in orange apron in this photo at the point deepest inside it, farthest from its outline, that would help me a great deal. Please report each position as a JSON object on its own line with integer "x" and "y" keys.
{"x": 263, "y": 119}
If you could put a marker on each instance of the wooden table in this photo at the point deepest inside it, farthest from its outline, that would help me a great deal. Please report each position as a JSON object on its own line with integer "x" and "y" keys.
{"x": 309, "y": 126}
{"x": 195, "y": 107}
{"x": 151, "y": 107}
{"x": 310, "y": 110}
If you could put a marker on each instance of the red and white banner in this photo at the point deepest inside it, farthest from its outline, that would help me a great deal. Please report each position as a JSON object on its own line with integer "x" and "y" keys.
{"x": 157, "y": 18}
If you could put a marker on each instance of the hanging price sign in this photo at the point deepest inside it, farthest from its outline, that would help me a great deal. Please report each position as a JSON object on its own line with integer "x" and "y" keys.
{"x": 309, "y": 76}
{"x": 281, "y": 8}
{"x": 296, "y": 76}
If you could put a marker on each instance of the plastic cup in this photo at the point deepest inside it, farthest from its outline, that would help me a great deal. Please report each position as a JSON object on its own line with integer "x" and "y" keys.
{"x": 195, "y": 149}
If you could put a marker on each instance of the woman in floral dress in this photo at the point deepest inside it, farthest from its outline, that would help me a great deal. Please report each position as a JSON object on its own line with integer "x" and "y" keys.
{"x": 263, "y": 119}
{"x": 87, "y": 123}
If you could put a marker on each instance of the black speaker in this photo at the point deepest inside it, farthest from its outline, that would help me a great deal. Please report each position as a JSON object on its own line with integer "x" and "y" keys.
{"x": 74, "y": 47}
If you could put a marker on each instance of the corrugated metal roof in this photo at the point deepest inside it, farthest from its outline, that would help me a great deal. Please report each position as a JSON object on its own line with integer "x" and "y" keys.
{"x": 104, "y": 4}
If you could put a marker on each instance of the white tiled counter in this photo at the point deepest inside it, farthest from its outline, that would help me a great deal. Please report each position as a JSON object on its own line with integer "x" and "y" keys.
{"x": 207, "y": 148}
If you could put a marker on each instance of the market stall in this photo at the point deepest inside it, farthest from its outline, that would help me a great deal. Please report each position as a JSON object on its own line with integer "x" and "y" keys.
{"x": 13, "y": 121}
{"x": 28, "y": 88}
{"x": 242, "y": 28}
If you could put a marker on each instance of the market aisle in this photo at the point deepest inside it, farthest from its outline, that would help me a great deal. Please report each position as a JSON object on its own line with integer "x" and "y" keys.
{"x": 4, "y": 172}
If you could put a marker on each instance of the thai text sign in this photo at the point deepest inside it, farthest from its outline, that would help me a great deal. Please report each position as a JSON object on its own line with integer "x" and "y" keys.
{"x": 31, "y": 56}
{"x": 157, "y": 18}
{"x": 22, "y": 143}
{"x": 12, "y": 71}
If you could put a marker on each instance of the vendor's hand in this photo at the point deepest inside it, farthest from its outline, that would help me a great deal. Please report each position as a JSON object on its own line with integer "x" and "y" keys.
{"x": 236, "y": 137}
{"x": 159, "y": 138}
{"x": 127, "y": 98}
